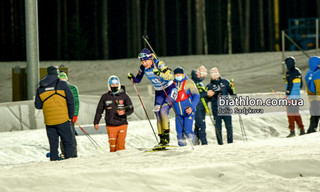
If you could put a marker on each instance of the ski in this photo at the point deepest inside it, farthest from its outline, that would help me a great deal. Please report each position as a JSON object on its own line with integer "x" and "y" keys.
{"x": 161, "y": 148}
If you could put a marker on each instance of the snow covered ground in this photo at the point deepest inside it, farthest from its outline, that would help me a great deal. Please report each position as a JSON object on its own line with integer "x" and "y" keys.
{"x": 266, "y": 162}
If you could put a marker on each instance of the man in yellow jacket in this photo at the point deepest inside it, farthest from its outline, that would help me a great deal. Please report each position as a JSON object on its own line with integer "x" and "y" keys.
{"x": 56, "y": 100}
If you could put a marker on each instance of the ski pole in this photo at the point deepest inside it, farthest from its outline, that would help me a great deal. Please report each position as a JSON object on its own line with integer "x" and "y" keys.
{"x": 90, "y": 138}
{"x": 145, "y": 38}
{"x": 145, "y": 111}
{"x": 211, "y": 118}
{"x": 243, "y": 131}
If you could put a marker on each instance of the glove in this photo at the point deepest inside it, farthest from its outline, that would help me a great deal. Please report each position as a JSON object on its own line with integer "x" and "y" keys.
{"x": 156, "y": 72}
{"x": 284, "y": 77}
{"x": 130, "y": 76}
{"x": 75, "y": 118}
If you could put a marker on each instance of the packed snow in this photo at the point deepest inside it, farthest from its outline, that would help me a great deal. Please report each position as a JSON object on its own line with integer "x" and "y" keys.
{"x": 266, "y": 162}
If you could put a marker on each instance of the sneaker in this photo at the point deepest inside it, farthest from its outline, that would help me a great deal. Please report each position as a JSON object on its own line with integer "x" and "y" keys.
{"x": 302, "y": 132}
{"x": 292, "y": 134}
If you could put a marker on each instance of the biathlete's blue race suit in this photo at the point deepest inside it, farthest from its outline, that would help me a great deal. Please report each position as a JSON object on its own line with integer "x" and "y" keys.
{"x": 161, "y": 104}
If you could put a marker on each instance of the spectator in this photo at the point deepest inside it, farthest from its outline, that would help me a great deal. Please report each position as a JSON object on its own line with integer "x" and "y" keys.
{"x": 55, "y": 99}
{"x": 117, "y": 106}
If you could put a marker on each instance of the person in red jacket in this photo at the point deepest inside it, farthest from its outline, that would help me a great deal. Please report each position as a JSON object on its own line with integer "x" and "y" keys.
{"x": 117, "y": 106}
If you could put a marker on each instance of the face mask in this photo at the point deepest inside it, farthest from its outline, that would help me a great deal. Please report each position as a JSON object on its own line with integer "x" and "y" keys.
{"x": 178, "y": 78}
{"x": 114, "y": 89}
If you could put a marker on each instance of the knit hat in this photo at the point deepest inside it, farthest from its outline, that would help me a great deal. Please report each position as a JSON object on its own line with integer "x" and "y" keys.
{"x": 178, "y": 70}
{"x": 113, "y": 80}
{"x": 290, "y": 62}
{"x": 53, "y": 70}
{"x": 145, "y": 54}
{"x": 214, "y": 73}
{"x": 202, "y": 71}
{"x": 63, "y": 75}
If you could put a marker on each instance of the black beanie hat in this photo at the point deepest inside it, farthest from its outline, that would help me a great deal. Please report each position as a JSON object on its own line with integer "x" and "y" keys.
{"x": 53, "y": 70}
{"x": 178, "y": 70}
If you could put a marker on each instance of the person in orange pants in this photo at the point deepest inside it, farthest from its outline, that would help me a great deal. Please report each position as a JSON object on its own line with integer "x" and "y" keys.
{"x": 117, "y": 106}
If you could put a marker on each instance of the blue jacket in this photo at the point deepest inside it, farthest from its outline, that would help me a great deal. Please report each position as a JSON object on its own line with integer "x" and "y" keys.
{"x": 192, "y": 94}
{"x": 313, "y": 67}
{"x": 165, "y": 77}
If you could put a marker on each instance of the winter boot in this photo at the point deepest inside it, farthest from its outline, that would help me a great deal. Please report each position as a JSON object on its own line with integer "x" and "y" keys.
{"x": 292, "y": 134}
{"x": 302, "y": 132}
{"x": 311, "y": 130}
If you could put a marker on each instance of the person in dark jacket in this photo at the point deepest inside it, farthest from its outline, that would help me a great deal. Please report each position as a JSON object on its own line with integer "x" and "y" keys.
{"x": 56, "y": 100}
{"x": 117, "y": 106}
{"x": 293, "y": 86}
{"x": 219, "y": 87}
{"x": 198, "y": 76}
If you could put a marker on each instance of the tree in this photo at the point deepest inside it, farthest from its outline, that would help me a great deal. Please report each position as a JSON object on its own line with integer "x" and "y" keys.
{"x": 65, "y": 30}
{"x": 58, "y": 29}
{"x": 241, "y": 29}
{"x": 261, "y": 25}
{"x": 199, "y": 26}
{"x": 163, "y": 36}
{"x": 189, "y": 27}
{"x": 247, "y": 28}
{"x": 229, "y": 28}
{"x": 104, "y": 30}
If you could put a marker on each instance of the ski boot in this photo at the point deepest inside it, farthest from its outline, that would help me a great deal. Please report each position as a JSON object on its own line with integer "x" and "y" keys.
{"x": 292, "y": 134}
{"x": 302, "y": 132}
{"x": 164, "y": 138}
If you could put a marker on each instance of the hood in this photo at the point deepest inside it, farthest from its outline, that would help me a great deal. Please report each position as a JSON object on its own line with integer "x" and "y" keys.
{"x": 111, "y": 79}
{"x": 314, "y": 61}
{"x": 48, "y": 80}
{"x": 290, "y": 63}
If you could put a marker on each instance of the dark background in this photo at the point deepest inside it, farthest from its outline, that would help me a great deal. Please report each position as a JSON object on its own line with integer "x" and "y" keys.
{"x": 112, "y": 29}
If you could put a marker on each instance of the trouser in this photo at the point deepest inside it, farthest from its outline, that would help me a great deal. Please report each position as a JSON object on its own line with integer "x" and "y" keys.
{"x": 187, "y": 122}
{"x": 200, "y": 125}
{"x": 64, "y": 131}
{"x": 162, "y": 107}
{"x": 294, "y": 116}
{"x": 75, "y": 153}
{"x": 315, "y": 116}
{"x": 228, "y": 124}
{"x": 314, "y": 121}
{"x": 293, "y": 119}
{"x": 117, "y": 137}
